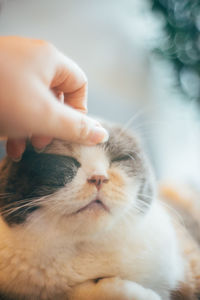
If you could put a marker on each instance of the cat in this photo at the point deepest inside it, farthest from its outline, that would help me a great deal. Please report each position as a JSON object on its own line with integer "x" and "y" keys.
{"x": 85, "y": 223}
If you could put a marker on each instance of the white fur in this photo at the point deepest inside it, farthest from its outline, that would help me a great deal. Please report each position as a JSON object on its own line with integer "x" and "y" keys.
{"x": 50, "y": 254}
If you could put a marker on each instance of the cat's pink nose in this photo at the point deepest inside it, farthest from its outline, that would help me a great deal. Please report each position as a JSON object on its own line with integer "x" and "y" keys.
{"x": 98, "y": 180}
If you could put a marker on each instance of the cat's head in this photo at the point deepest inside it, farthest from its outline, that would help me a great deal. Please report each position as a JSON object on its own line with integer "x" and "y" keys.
{"x": 84, "y": 188}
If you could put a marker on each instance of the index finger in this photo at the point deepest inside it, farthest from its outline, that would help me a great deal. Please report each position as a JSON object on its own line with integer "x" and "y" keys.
{"x": 72, "y": 81}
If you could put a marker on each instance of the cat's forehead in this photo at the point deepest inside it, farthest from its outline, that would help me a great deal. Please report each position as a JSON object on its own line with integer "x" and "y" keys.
{"x": 120, "y": 142}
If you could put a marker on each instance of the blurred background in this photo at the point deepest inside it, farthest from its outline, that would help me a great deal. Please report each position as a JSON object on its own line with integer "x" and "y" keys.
{"x": 142, "y": 60}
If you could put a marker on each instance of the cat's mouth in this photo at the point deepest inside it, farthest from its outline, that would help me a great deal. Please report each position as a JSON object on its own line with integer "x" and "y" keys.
{"x": 93, "y": 205}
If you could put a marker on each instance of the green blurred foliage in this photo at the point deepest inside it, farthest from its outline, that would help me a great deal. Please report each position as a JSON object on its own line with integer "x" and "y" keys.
{"x": 181, "y": 44}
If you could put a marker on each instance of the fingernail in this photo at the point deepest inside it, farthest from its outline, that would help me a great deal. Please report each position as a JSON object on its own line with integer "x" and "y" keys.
{"x": 82, "y": 110}
{"x": 98, "y": 135}
{"x": 39, "y": 150}
{"x": 61, "y": 97}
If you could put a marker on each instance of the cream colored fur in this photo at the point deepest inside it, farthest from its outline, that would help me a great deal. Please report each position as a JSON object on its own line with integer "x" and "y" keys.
{"x": 57, "y": 254}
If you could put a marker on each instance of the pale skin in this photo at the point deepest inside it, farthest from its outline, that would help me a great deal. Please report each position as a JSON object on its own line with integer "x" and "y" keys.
{"x": 43, "y": 95}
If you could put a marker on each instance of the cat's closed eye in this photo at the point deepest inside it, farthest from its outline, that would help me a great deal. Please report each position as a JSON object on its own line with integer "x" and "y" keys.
{"x": 123, "y": 157}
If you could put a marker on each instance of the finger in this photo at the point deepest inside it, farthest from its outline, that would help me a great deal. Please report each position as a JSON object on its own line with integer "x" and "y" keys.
{"x": 71, "y": 80}
{"x": 61, "y": 121}
{"x": 39, "y": 143}
{"x": 15, "y": 148}
{"x": 77, "y": 99}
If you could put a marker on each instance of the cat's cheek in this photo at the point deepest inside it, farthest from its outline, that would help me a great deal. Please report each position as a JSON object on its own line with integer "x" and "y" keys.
{"x": 120, "y": 192}
{"x": 115, "y": 178}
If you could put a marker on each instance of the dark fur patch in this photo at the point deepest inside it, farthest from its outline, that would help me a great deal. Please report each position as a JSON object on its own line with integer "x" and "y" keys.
{"x": 2, "y": 297}
{"x": 36, "y": 175}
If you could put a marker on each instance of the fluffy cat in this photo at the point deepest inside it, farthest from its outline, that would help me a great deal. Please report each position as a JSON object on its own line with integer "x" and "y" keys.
{"x": 85, "y": 223}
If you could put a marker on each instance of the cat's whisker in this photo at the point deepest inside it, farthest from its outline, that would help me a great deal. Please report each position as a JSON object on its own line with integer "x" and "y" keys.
{"x": 131, "y": 120}
{"x": 144, "y": 123}
{"x": 28, "y": 203}
{"x": 145, "y": 195}
{"x": 138, "y": 203}
{"x": 176, "y": 216}
{"x": 10, "y": 211}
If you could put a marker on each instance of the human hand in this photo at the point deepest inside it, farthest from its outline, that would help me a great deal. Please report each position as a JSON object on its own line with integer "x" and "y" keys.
{"x": 43, "y": 94}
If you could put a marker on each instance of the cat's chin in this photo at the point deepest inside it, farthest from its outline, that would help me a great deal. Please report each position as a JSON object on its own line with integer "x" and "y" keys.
{"x": 89, "y": 220}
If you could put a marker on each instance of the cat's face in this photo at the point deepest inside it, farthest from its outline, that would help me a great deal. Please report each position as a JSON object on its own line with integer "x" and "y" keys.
{"x": 86, "y": 189}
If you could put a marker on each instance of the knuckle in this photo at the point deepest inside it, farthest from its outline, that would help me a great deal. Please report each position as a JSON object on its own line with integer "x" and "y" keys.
{"x": 49, "y": 49}
{"x": 83, "y": 128}
{"x": 46, "y": 48}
